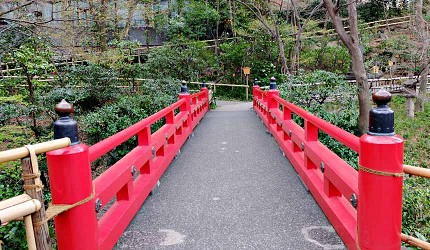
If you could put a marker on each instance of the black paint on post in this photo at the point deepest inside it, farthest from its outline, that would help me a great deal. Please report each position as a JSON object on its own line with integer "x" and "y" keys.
{"x": 381, "y": 118}
{"x": 65, "y": 126}
{"x": 184, "y": 88}
{"x": 272, "y": 82}
{"x": 204, "y": 84}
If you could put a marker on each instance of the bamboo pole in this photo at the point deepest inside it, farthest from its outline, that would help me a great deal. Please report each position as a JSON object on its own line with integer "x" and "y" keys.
{"x": 41, "y": 231}
{"x": 19, "y": 153}
{"x": 14, "y": 200}
{"x": 31, "y": 242}
{"x": 423, "y": 172}
{"x": 415, "y": 242}
{"x": 19, "y": 210}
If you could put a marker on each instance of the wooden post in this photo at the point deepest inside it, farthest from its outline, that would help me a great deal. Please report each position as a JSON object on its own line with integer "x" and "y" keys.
{"x": 246, "y": 92}
{"x": 410, "y": 106}
{"x": 41, "y": 232}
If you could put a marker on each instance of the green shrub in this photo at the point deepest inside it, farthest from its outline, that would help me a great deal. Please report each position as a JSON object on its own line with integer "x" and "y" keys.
{"x": 91, "y": 86}
{"x": 13, "y": 234}
{"x": 128, "y": 110}
{"x": 328, "y": 96}
{"x": 416, "y": 190}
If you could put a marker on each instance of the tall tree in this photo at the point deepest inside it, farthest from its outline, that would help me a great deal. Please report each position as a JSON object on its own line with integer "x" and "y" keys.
{"x": 423, "y": 36}
{"x": 352, "y": 42}
{"x": 295, "y": 58}
{"x": 263, "y": 11}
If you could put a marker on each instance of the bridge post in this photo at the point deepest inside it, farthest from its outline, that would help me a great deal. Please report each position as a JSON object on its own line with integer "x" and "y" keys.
{"x": 71, "y": 181}
{"x": 186, "y": 107}
{"x": 379, "y": 212}
{"x": 255, "y": 89}
{"x": 272, "y": 105}
{"x": 205, "y": 91}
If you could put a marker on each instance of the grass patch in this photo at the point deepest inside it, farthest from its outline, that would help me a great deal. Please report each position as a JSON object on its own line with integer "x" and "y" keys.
{"x": 416, "y": 190}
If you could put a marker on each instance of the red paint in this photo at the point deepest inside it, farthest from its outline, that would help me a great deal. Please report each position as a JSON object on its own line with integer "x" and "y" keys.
{"x": 70, "y": 180}
{"x": 70, "y": 174}
{"x": 380, "y": 203}
{"x": 379, "y": 198}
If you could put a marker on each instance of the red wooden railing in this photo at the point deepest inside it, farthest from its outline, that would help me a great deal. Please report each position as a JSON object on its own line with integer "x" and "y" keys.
{"x": 365, "y": 206}
{"x": 129, "y": 181}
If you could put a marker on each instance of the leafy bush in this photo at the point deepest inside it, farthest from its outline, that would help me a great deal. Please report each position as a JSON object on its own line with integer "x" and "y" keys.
{"x": 128, "y": 110}
{"x": 330, "y": 58}
{"x": 189, "y": 62}
{"x": 12, "y": 111}
{"x": 13, "y": 233}
{"x": 416, "y": 190}
{"x": 198, "y": 22}
{"x": 90, "y": 86}
{"x": 328, "y": 96}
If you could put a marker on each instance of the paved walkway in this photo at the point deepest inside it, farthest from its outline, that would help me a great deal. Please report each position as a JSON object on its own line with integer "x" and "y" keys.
{"x": 230, "y": 188}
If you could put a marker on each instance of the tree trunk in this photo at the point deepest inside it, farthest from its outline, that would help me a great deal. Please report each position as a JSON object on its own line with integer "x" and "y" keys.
{"x": 363, "y": 90}
{"x": 31, "y": 99}
{"x": 230, "y": 15}
{"x": 277, "y": 34}
{"x": 422, "y": 91}
{"x": 41, "y": 232}
{"x": 352, "y": 42}
{"x": 103, "y": 26}
{"x": 284, "y": 68}
{"x": 217, "y": 30}
{"x": 424, "y": 37}
{"x": 296, "y": 50}
{"x": 131, "y": 8}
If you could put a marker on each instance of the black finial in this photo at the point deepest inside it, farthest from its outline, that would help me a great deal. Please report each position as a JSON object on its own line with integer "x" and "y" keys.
{"x": 381, "y": 118}
{"x": 256, "y": 82}
{"x": 204, "y": 84}
{"x": 272, "y": 82}
{"x": 184, "y": 88}
{"x": 65, "y": 126}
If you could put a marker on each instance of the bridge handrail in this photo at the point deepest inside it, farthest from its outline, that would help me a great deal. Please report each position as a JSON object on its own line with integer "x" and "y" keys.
{"x": 417, "y": 171}
{"x": 39, "y": 148}
{"x": 125, "y": 185}
{"x": 353, "y": 201}
{"x": 342, "y": 136}
{"x": 106, "y": 145}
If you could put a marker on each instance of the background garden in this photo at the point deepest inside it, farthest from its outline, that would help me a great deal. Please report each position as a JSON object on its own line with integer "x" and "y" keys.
{"x": 118, "y": 62}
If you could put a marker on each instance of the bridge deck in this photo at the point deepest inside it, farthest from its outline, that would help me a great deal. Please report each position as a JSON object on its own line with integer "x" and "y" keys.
{"x": 230, "y": 188}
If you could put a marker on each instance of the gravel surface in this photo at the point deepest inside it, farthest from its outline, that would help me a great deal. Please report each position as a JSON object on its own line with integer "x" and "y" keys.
{"x": 230, "y": 188}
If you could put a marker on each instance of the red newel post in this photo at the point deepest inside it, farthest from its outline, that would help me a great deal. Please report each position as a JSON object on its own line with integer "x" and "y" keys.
{"x": 205, "y": 91}
{"x": 380, "y": 180}
{"x": 272, "y": 105}
{"x": 71, "y": 181}
{"x": 186, "y": 107}
{"x": 255, "y": 89}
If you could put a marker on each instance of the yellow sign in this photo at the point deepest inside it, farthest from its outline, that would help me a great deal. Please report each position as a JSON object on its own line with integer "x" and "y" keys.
{"x": 375, "y": 69}
{"x": 390, "y": 63}
{"x": 246, "y": 70}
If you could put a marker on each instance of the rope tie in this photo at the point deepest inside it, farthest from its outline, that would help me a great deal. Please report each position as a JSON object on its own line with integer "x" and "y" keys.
{"x": 381, "y": 173}
{"x": 56, "y": 209}
{"x": 356, "y": 239}
{"x": 53, "y": 209}
{"x": 36, "y": 173}
{"x": 26, "y": 177}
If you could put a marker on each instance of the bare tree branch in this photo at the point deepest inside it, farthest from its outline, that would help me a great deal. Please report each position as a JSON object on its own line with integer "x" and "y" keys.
{"x": 259, "y": 16}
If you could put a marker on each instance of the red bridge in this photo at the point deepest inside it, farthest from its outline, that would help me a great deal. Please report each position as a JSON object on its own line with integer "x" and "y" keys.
{"x": 229, "y": 188}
